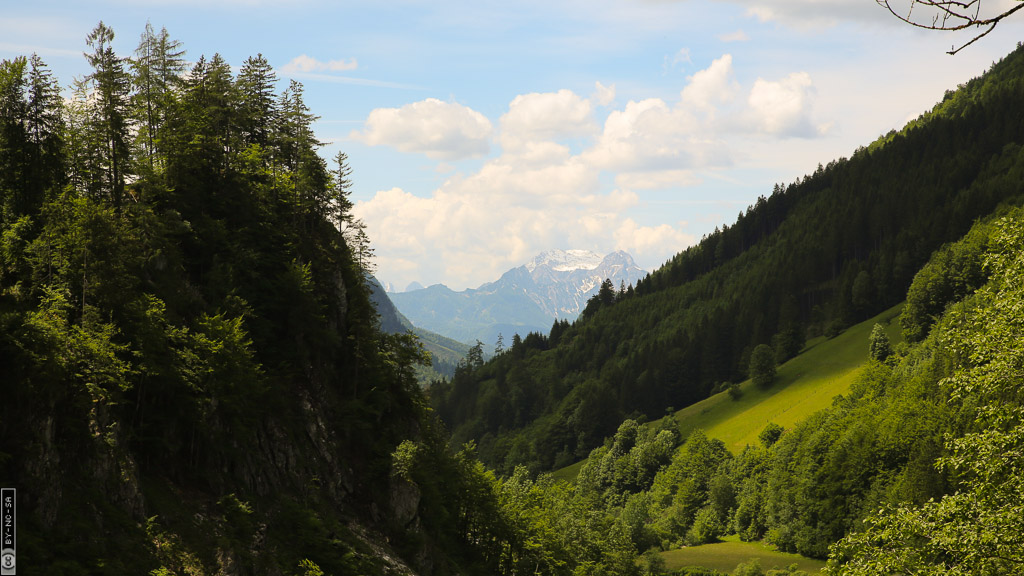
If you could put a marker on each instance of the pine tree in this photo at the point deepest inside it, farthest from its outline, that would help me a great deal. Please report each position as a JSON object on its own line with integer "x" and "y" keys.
{"x": 352, "y": 229}
{"x": 341, "y": 211}
{"x": 296, "y": 147}
{"x": 45, "y": 125}
{"x": 255, "y": 83}
{"x": 157, "y": 67}
{"x": 111, "y": 88}
{"x": 13, "y": 138}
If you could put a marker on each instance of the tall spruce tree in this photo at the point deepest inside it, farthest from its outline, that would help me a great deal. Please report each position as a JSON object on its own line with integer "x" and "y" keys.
{"x": 256, "y": 81}
{"x": 110, "y": 86}
{"x": 13, "y": 138}
{"x": 157, "y": 66}
{"x": 45, "y": 129}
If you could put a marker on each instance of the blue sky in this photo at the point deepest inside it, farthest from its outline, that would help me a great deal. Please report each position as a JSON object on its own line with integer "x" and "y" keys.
{"x": 482, "y": 133}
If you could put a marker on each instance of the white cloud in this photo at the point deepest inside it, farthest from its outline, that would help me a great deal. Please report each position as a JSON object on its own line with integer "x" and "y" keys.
{"x": 546, "y": 117}
{"x": 440, "y": 130}
{"x": 651, "y": 142}
{"x": 783, "y": 108}
{"x": 540, "y": 193}
{"x": 305, "y": 63}
{"x": 472, "y": 229}
{"x": 650, "y": 135}
{"x": 651, "y": 243}
{"x": 712, "y": 86}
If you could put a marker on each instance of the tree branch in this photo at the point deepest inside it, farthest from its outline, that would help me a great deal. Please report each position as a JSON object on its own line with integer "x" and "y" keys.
{"x": 952, "y": 15}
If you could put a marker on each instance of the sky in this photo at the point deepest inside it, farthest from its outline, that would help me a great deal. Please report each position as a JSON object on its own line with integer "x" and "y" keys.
{"x": 481, "y": 133}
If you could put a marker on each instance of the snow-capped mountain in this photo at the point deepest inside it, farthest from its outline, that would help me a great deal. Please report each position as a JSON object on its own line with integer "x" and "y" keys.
{"x": 554, "y": 285}
{"x": 566, "y": 260}
{"x": 565, "y": 280}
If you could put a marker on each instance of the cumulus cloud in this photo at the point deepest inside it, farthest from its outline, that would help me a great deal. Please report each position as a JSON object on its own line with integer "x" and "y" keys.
{"x": 465, "y": 236}
{"x": 712, "y": 86}
{"x": 544, "y": 191}
{"x": 651, "y": 141}
{"x": 473, "y": 228}
{"x": 650, "y": 241}
{"x": 546, "y": 117}
{"x": 305, "y": 63}
{"x": 651, "y": 135}
{"x": 783, "y": 108}
{"x": 440, "y": 130}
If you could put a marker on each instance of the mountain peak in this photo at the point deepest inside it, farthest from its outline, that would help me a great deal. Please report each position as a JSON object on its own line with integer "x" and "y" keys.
{"x": 619, "y": 257}
{"x": 554, "y": 285}
{"x": 565, "y": 260}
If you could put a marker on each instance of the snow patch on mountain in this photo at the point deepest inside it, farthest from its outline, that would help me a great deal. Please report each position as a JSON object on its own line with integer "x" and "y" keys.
{"x": 566, "y": 260}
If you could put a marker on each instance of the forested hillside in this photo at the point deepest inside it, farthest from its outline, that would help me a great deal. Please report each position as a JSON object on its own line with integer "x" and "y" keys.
{"x": 193, "y": 377}
{"x": 830, "y": 249}
{"x": 191, "y": 365}
{"x": 915, "y": 471}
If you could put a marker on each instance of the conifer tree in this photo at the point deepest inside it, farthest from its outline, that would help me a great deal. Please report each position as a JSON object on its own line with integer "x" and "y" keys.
{"x": 157, "y": 66}
{"x": 341, "y": 211}
{"x": 255, "y": 83}
{"x": 13, "y": 138}
{"x": 111, "y": 89}
{"x": 45, "y": 124}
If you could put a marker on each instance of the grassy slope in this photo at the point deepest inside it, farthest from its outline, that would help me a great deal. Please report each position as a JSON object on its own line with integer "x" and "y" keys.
{"x": 824, "y": 369}
{"x": 724, "y": 556}
{"x": 804, "y": 385}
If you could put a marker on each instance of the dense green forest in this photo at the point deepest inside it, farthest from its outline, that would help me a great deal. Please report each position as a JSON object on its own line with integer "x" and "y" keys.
{"x": 829, "y": 250}
{"x": 181, "y": 320}
{"x": 195, "y": 380}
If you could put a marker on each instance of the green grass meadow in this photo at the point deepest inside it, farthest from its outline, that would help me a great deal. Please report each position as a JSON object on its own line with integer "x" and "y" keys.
{"x": 724, "y": 556}
{"x": 824, "y": 369}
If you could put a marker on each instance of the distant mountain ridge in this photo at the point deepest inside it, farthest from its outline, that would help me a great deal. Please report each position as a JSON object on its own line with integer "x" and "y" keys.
{"x": 566, "y": 260}
{"x": 565, "y": 280}
{"x": 555, "y": 285}
{"x": 445, "y": 353}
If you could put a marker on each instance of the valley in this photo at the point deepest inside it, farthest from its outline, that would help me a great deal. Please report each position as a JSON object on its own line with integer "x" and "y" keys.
{"x": 201, "y": 373}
